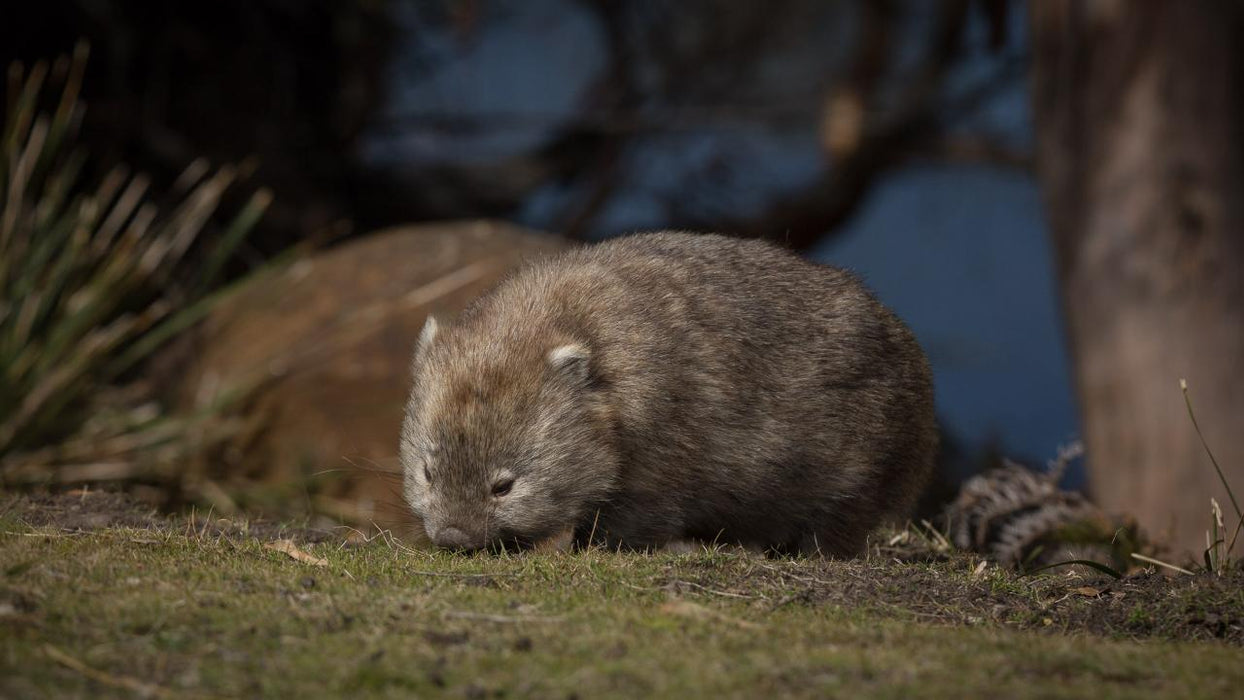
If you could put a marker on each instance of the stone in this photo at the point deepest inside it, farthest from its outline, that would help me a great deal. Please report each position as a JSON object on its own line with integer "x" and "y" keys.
{"x": 325, "y": 344}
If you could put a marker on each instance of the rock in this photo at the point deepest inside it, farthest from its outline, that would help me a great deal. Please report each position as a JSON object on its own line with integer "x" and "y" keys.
{"x": 328, "y": 343}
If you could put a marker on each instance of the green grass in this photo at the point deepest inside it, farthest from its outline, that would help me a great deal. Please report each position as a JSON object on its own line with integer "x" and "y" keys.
{"x": 182, "y": 612}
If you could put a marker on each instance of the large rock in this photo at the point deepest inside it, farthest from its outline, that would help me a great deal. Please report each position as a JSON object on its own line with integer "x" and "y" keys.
{"x": 329, "y": 341}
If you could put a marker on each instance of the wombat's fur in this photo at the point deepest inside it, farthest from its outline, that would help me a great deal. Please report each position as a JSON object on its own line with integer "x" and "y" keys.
{"x": 668, "y": 386}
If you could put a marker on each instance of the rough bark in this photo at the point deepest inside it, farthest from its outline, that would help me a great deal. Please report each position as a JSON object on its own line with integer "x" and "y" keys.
{"x": 1139, "y": 111}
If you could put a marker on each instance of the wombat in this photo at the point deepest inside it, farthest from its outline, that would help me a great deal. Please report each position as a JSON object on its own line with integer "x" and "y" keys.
{"x": 664, "y": 388}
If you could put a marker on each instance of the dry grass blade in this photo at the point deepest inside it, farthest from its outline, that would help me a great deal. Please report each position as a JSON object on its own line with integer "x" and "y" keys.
{"x": 120, "y": 211}
{"x": 234, "y": 234}
{"x": 1159, "y": 562}
{"x": 1222, "y": 560}
{"x": 1089, "y": 563}
{"x": 289, "y": 548}
{"x": 124, "y": 682}
{"x": 1183, "y": 386}
{"x": 22, "y": 97}
{"x": 687, "y": 609}
{"x": 52, "y": 389}
{"x": 502, "y": 619}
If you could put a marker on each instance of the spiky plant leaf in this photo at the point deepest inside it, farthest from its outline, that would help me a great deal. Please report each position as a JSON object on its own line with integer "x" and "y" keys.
{"x": 92, "y": 281}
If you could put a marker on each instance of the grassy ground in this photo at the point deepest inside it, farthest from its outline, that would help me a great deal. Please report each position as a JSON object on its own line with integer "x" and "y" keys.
{"x": 98, "y": 598}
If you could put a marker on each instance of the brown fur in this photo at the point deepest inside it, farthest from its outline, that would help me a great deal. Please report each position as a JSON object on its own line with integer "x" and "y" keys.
{"x": 670, "y": 386}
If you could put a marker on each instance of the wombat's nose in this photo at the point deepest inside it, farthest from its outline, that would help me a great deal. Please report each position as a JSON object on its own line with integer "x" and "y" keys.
{"x": 452, "y": 538}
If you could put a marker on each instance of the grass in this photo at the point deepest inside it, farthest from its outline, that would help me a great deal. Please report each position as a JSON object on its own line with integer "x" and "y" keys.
{"x": 209, "y": 608}
{"x": 94, "y": 277}
{"x": 204, "y": 607}
{"x": 1218, "y": 544}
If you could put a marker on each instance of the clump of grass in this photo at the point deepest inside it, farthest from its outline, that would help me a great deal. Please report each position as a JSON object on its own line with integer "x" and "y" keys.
{"x": 1218, "y": 544}
{"x": 1216, "y": 557}
{"x": 93, "y": 280}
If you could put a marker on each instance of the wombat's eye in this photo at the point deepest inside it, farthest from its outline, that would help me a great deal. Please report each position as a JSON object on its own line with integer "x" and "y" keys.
{"x": 427, "y": 475}
{"x": 502, "y": 487}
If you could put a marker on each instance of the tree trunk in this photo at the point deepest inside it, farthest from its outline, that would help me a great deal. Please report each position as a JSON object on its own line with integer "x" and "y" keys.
{"x": 1139, "y": 108}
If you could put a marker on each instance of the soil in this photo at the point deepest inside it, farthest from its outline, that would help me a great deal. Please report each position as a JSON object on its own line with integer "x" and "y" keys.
{"x": 91, "y": 510}
{"x": 1143, "y": 604}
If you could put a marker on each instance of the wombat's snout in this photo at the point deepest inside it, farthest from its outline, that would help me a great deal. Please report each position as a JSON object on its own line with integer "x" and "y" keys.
{"x": 453, "y": 538}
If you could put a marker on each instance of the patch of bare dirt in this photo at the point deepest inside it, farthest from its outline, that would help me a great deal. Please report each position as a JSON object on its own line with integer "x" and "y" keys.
{"x": 83, "y": 511}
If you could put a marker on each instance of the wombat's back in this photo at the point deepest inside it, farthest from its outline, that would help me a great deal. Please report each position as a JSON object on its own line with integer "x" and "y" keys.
{"x": 755, "y": 396}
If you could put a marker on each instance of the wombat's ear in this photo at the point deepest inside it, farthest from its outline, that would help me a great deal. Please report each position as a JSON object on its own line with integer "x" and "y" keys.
{"x": 426, "y": 336}
{"x": 571, "y": 361}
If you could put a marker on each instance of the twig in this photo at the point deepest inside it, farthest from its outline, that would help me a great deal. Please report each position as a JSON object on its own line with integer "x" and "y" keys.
{"x": 42, "y": 534}
{"x": 939, "y": 539}
{"x": 714, "y": 591}
{"x": 1151, "y": 560}
{"x": 592, "y": 535}
{"x": 508, "y": 619}
{"x": 126, "y": 682}
{"x": 449, "y": 574}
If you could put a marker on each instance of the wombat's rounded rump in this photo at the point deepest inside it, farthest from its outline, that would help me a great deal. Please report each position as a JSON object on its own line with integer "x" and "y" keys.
{"x": 664, "y": 387}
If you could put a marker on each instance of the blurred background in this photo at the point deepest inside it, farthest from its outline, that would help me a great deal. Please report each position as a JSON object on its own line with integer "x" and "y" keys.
{"x": 1048, "y": 193}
